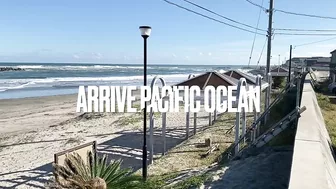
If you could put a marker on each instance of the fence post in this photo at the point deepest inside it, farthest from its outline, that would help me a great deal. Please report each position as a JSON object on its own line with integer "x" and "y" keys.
{"x": 187, "y": 124}
{"x": 164, "y": 121}
{"x": 152, "y": 123}
{"x": 151, "y": 138}
{"x": 237, "y": 132}
{"x": 269, "y": 89}
{"x": 298, "y": 91}
{"x": 241, "y": 83}
{"x": 244, "y": 125}
{"x": 195, "y": 122}
{"x": 215, "y": 115}
{"x": 257, "y": 114}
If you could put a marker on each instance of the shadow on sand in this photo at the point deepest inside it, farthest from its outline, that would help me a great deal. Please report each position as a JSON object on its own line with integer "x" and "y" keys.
{"x": 27, "y": 178}
{"x": 127, "y": 147}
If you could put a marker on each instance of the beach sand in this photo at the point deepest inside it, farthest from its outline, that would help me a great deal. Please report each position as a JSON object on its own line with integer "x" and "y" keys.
{"x": 22, "y": 115}
{"x": 34, "y": 129}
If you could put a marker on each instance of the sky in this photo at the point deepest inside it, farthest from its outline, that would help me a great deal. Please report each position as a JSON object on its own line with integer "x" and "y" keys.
{"x": 107, "y": 31}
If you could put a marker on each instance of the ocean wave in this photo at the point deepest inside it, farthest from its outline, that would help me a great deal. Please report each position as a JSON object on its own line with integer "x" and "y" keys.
{"x": 79, "y": 67}
{"x": 10, "y": 84}
{"x": 20, "y": 86}
{"x": 221, "y": 71}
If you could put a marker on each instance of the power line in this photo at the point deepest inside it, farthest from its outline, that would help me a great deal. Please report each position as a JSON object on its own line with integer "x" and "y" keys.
{"x": 255, "y": 35}
{"x": 304, "y": 44}
{"x": 307, "y": 30}
{"x": 292, "y": 13}
{"x": 240, "y": 28}
{"x": 307, "y": 15}
{"x": 262, "y": 52}
{"x": 201, "y": 7}
{"x": 210, "y": 18}
{"x": 308, "y": 34}
{"x": 259, "y": 6}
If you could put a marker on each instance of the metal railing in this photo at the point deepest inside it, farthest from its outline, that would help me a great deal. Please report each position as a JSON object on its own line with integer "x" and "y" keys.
{"x": 251, "y": 138}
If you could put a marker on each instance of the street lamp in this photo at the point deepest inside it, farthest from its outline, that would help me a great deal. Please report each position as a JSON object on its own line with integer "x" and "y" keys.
{"x": 145, "y": 32}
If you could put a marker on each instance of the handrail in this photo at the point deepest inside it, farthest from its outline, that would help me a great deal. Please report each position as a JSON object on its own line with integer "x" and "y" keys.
{"x": 252, "y": 127}
{"x": 296, "y": 111}
{"x": 277, "y": 99}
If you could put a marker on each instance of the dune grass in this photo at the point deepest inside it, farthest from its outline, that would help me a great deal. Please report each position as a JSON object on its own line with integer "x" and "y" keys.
{"x": 187, "y": 156}
{"x": 328, "y": 109}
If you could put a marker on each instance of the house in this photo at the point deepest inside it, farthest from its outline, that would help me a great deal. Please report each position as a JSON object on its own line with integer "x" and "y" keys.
{"x": 333, "y": 65}
{"x": 318, "y": 61}
{"x": 279, "y": 72}
{"x": 310, "y": 62}
{"x": 298, "y": 61}
{"x": 215, "y": 79}
{"x": 238, "y": 74}
{"x": 250, "y": 79}
{"x": 278, "y": 75}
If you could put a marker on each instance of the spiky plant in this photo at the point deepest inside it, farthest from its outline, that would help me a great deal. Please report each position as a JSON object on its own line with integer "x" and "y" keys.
{"x": 96, "y": 173}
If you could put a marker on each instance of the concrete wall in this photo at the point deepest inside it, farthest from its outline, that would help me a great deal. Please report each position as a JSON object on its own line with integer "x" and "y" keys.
{"x": 313, "y": 165}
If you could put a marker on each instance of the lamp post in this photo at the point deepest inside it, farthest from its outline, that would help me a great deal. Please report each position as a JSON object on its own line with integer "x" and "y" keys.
{"x": 145, "y": 32}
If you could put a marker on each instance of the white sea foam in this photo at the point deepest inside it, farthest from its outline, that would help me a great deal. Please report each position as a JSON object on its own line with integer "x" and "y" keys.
{"x": 7, "y": 84}
{"x": 75, "y": 67}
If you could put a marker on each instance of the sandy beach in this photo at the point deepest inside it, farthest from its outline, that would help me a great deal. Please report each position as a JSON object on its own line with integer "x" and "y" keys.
{"x": 22, "y": 115}
{"x": 33, "y": 129}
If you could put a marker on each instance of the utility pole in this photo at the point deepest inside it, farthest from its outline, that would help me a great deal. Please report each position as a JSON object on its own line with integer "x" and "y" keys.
{"x": 269, "y": 45}
{"x": 290, "y": 64}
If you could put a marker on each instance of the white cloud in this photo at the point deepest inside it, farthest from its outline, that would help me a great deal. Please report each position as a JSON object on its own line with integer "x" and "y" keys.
{"x": 209, "y": 53}
{"x": 97, "y": 55}
{"x": 201, "y": 54}
{"x": 75, "y": 56}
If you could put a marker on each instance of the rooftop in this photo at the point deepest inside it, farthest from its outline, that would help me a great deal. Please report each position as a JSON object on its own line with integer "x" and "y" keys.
{"x": 209, "y": 79}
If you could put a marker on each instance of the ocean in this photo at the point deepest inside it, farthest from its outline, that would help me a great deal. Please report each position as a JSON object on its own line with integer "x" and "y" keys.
{"x": 46, "y": 79}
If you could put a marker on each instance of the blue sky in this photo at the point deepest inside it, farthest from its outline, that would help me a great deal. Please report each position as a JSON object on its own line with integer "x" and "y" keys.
{"x": 106, "y": 31}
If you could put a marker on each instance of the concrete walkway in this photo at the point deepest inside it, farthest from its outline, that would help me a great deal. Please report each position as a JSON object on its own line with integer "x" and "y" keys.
{"x": 313, "y": 164}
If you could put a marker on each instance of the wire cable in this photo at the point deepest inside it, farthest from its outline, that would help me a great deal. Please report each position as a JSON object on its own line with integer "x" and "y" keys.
{"x": 255, "y": 35}
{"x": 201, "y": 7}
{"x": 262, "y": 52}
{"x": 304, "y": 44}
{"x": 259, "y": 6}
{"x": 307, "y": 15}
{"x": 307, "y": 30}
{"x": 210, "y": 18}
{"x": 292, "y": 13}
{"x": 309, "y": 34}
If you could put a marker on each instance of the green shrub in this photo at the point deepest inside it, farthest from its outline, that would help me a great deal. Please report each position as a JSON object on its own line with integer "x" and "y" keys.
{"x": 96, "y": 173}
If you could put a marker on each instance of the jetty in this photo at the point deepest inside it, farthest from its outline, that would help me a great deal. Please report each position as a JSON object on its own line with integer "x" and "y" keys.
{"x": 4, "y": 69}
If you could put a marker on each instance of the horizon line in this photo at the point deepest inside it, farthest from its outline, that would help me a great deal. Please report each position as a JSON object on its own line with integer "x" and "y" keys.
{"x": 120, "y": 63}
